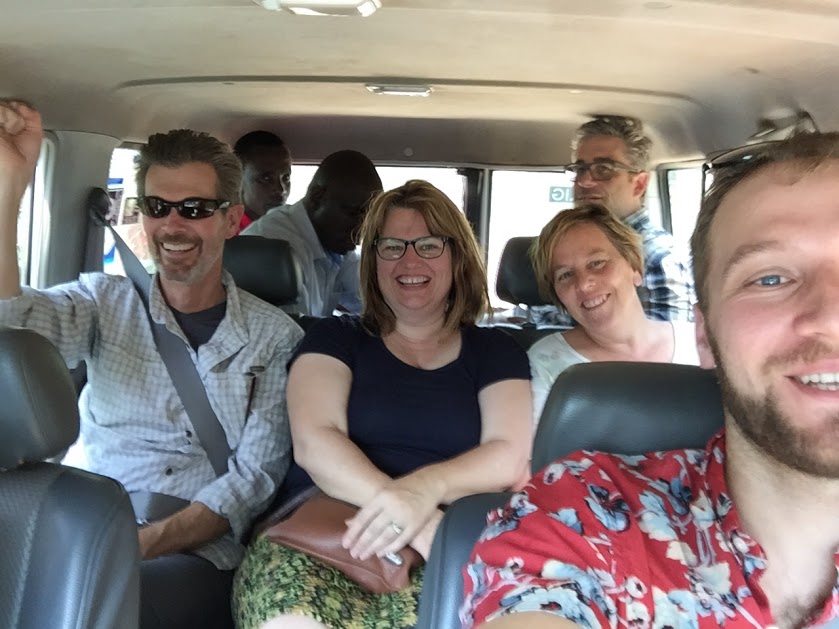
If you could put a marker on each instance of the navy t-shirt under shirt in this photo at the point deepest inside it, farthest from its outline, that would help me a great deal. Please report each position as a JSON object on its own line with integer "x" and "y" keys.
{"x": 403, "y": 417}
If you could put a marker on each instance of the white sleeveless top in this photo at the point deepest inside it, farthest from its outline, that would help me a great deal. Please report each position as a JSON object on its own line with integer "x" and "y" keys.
{"x": 552, "y": 355}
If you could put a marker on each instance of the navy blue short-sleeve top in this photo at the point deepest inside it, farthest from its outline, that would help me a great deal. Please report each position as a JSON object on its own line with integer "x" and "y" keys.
{"x": 402, "y": 417}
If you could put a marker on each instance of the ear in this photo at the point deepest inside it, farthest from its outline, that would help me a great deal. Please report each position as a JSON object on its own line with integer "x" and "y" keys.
{"x": 639, "y": 187}
{"x": 232, "y": 219}
{"x": 314, "y": 196}
{"x": 637, "y": 279}
{"x": 703, "y": 345}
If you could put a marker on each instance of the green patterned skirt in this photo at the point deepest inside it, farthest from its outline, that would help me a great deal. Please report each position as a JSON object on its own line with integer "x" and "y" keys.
{"x": 275, "y": 580}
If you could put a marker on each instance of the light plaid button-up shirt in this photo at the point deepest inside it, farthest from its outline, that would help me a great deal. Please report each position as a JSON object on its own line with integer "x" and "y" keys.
{"x": 134, "y": 426}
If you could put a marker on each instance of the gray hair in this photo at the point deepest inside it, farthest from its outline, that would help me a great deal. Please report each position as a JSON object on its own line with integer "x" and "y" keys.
{"x": 184, "y": 146}
{"x": 630, "y": 130}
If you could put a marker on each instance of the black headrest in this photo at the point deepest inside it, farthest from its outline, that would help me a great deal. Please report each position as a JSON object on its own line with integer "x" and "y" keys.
{"x": 39, "y": 415}
{"x": 516, "y": 281}
{"x": 264, "y": 267}
{"x": 627, "y": 408}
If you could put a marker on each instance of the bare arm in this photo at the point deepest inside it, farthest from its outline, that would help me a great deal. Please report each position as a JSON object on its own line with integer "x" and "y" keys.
{"x": 318, "y": 392}
{"x": 189, "y": 528}
{"x": 530, "y": 620}
{"x": 20, "y": 144}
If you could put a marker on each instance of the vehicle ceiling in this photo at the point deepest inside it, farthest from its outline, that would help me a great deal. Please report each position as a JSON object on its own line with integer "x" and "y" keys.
{"x": 512, "y": 78}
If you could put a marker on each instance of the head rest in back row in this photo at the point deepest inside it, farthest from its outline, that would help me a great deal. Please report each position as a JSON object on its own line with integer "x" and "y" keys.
{"x": 516, "y": 282}
{"x": 264, "y": 267}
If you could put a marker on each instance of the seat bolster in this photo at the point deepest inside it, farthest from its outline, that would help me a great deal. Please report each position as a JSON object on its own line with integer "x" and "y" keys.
{"x": 442, "y": 588}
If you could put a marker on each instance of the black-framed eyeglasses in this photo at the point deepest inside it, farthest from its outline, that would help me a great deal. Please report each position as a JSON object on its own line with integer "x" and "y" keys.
{"x": 732, "y": 158}
{"x": 193, "y": 208}
{"x": 599, "y": 171}
{"x": 428, "y": 247}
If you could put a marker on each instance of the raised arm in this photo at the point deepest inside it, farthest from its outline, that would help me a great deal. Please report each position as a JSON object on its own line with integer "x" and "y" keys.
{"x": 20, "y": 145}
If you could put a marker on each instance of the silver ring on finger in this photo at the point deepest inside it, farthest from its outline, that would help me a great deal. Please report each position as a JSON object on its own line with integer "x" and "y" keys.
{"x": 396, "y": 528}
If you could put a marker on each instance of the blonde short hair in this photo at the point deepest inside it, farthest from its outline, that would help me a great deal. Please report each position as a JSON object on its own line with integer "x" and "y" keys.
{"x": 625, "y": 239}
{"x": 468, "y": 299}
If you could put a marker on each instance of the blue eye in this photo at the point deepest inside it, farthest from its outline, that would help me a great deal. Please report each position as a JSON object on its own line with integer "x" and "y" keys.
{"x": 770, "y": 280}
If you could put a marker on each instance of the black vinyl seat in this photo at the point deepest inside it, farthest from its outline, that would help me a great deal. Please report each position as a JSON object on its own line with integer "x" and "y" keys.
{"x": 623, "y": 408}
{"x": 265, "y": 267}
{"x": 516, "y": 283}
{"x": 69, "y": 547}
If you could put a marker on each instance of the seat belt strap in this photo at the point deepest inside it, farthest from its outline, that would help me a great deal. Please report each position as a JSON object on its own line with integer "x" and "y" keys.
{"x": 175, "y": 355}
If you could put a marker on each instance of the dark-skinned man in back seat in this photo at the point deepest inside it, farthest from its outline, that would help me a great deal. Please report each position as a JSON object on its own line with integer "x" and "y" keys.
{"x": 322, "y": 229}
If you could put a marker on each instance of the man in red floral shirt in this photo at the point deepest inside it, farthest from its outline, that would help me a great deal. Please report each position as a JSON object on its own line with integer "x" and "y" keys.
{"x": 744, "y": 533}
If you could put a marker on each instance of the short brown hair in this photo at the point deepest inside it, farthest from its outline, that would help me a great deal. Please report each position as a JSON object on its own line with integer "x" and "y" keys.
{"x": 625, "y": 239}
{"x": 468, "y": 299}
{"x": 184, "y": 146}
{"x": 630, "y": 130}
{"x": 802, "y": 153}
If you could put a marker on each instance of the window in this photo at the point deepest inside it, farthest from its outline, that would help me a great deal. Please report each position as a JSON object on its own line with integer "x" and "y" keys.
{"x": 33, "y": 218}
{"x": 446, "y": 179}
{"x": 122, "y": 189}
{"x": 684, "y": 187}
{"x": 522, "y": 202}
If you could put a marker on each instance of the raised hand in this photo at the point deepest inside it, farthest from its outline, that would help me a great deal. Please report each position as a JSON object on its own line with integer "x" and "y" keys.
{"x": 20, "y": 144}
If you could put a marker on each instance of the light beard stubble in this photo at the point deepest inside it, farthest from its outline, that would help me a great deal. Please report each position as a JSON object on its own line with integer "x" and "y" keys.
{"x": 763, "y": 422}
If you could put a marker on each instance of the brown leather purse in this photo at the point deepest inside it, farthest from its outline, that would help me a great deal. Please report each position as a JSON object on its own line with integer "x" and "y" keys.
{"x": 314, "y": 523}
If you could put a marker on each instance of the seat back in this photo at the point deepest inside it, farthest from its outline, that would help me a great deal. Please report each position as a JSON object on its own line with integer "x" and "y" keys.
{"x": 627, "y": 408}
{"x": 69, "y": 547}
{"x": 623, "y": 408}
{"x": 264, "y": 267}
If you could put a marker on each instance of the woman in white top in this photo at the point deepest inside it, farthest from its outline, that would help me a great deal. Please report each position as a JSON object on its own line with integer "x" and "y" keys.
{"x": 589, "y": 262}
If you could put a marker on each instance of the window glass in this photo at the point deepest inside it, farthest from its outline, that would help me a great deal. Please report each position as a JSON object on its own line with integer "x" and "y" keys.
{"x": 446, "y": 179}
{"x": 685, "y": 190}
{"x": 122, "y": 189}
{"x": 522, "y": 202}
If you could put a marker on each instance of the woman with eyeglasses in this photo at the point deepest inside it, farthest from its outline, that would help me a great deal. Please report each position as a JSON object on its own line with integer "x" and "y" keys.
{"x": 591, "y": 264}
{"x": 399, "y": 411}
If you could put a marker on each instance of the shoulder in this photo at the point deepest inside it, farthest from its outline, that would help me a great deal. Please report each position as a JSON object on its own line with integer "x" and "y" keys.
{"x": 104, "y": 288}
{"x": 548, "y": 345}
{"x": 278, "y": 221}
{"x": 266, "y": 323}
{"x": 339, "y": 337}
{"x": 105, "y": 282}
{"x": 493, "y": 355}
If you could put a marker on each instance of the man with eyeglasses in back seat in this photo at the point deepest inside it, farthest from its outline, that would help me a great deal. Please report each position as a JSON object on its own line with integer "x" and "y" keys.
{"x": 611, "y": 165}
{"x": 742, "y": 533}
{"x": 133, "y": 422}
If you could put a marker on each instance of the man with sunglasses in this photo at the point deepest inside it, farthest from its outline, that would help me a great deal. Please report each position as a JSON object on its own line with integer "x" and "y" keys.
{"x": 745, "y": 532}
{"x": 134, "y": 424}
{"x": 611, "y": 168}
{"x": 322, "y": 229}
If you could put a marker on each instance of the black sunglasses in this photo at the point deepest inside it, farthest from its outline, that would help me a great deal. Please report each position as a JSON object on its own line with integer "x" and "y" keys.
{"x": 598, "y": 171}
{"x": 192, "y": 208}
{"x": 731, "y": 158}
